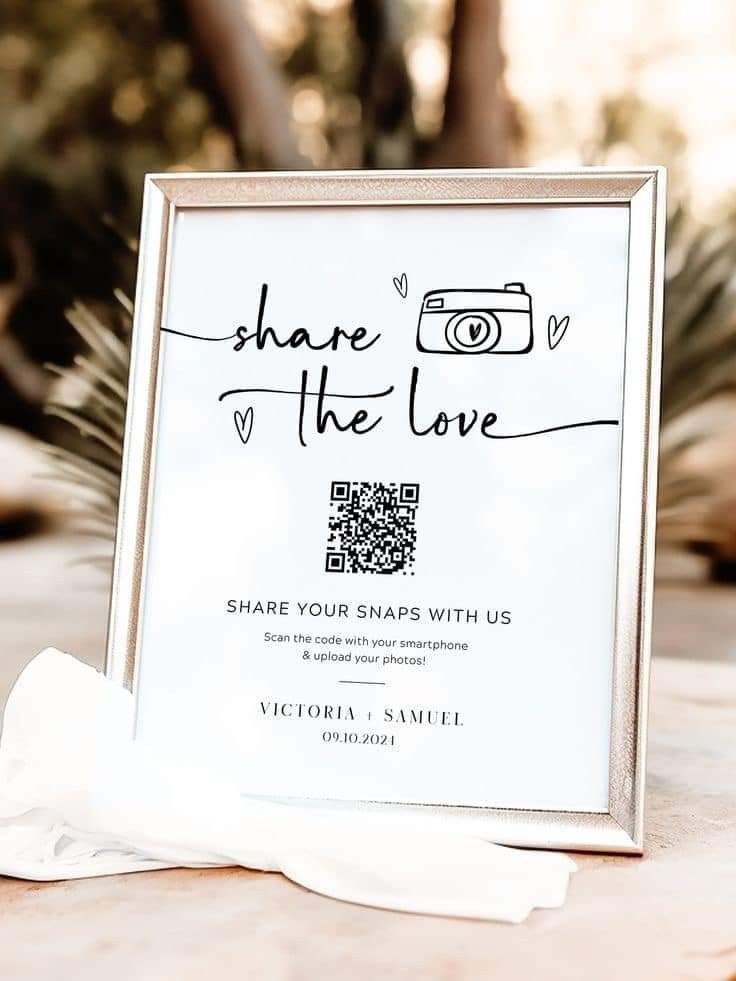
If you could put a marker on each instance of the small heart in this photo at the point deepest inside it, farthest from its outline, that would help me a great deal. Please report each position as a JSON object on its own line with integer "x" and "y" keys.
{"x": 244, "y": 424}
{"x": 474, "y": 330}
{"x": 401, "y": 285}
{"x": 556, "y": 330}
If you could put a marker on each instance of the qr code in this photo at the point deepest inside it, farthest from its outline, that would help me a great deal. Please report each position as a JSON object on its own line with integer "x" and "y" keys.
{"x": 372, "y": 527}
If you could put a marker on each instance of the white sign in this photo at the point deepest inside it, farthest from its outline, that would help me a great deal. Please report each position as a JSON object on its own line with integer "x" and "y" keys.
{"x": 383, "y": 553}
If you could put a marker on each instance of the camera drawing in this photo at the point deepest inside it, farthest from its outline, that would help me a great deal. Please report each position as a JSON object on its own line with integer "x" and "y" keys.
{"x": 485, "y": 321}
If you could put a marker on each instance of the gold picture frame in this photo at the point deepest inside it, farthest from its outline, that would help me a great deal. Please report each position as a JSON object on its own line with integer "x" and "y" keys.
{"x": 642, "y": 191}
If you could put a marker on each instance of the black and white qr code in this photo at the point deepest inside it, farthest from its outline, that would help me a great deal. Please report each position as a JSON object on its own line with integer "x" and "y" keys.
{"x": 372, "y": 527}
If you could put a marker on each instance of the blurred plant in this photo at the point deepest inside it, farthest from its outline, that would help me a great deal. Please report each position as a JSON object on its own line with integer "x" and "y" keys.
{"x": 90, "y": 396}
{"x": 98, "y": 91}
{"x": 697, "y": 472}
{"x": 92, "y": 94}
{"x": 700, "y": 335}
{"x": 697, "y": 500}
{"x": 95, "y": 93}
{"x": 632, "y": 130}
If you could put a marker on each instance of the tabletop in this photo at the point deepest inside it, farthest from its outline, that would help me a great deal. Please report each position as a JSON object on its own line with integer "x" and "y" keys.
{"x": 668, "y": 915}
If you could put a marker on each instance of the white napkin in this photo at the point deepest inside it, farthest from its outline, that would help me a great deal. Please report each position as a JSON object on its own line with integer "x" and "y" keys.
{"x": 79, "y": 797}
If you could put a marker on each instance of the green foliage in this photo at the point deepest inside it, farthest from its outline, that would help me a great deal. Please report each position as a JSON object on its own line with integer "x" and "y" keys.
{"x": 697, "y": 496}
{"x": 700, "y": 315}
{"x": 94, "y": 93}
{"x": 90, "y": 397}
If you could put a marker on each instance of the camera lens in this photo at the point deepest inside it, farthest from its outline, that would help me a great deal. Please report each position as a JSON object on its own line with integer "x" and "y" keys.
{"x": 473, "y": 331}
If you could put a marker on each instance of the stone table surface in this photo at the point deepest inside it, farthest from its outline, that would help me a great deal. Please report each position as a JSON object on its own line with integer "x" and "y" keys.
{"x": 669, "y": 915}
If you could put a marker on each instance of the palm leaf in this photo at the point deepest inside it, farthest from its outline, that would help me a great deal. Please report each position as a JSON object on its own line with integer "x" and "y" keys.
{"x": 90, "y": 398}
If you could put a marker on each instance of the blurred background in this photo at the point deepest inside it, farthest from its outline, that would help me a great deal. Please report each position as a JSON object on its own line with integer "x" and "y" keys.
{"x": 94, "y": 93}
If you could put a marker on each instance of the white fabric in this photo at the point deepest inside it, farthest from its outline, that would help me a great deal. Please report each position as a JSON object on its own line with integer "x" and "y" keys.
{"x": 79, "y": 798}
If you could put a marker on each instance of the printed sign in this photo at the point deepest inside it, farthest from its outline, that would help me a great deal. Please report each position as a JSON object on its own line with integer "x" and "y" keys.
{"x": 383, "y": 535}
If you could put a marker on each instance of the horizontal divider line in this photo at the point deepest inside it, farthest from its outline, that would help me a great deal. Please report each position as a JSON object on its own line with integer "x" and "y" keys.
{"x": 361, "y": 682}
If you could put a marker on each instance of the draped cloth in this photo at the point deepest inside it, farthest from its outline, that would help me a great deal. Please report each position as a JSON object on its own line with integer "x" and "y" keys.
{"x": 79, "y": 797}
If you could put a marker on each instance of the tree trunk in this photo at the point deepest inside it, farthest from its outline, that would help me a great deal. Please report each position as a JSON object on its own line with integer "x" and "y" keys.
{"x": 477, "y": 112}
{"x": 252, "y": 86}
{"x": 384, "y": 86}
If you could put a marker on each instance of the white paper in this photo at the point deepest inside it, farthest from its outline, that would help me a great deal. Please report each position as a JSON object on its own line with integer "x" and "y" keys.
{"x": 523, "y": 528}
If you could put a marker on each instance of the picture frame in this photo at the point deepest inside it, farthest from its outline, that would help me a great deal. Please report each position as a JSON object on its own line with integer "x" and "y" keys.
{"x": 639, "y": 195}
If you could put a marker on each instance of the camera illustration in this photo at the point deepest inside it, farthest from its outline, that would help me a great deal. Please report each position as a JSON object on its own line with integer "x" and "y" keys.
{"x": 476, "y": 321}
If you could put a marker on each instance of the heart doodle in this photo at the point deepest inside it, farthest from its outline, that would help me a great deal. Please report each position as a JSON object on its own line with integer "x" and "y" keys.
{"x": 244, "y": 424}
{"x": 401, "y": 284}
{"x": 556, "y": 330}
{"x": 474, "y": 330}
